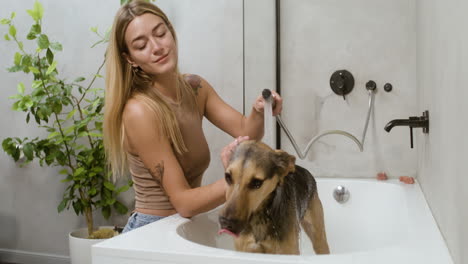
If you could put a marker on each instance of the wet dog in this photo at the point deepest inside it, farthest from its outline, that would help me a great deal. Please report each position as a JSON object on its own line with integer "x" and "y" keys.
{"x": 268, "y": 199}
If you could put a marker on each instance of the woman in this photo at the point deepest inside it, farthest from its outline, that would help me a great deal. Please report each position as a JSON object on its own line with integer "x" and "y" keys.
{"x": 153, "y": 119}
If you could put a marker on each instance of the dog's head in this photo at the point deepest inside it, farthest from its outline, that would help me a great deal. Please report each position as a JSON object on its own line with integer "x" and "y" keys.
{"x": 253, "y": 173}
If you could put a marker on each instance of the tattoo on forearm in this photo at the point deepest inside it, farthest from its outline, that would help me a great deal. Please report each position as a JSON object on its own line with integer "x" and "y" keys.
{"x": 158, "y": 174}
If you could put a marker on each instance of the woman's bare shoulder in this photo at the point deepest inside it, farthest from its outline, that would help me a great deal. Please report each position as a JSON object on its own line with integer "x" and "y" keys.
{"x": 136, "y": 109}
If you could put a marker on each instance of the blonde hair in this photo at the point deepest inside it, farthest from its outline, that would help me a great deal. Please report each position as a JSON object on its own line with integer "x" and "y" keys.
{"x": 124, "y": 82}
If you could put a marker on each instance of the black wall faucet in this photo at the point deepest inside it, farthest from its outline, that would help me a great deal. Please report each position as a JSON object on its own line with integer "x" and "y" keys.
{"x": 413, "y": 121}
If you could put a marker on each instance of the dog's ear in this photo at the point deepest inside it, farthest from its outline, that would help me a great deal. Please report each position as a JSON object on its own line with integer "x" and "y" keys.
{"x": 285, "y": 162}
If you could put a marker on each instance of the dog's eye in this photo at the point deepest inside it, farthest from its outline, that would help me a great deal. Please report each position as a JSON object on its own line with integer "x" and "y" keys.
{"x": 255, "y": 184}
{"x": 228, "y": 178}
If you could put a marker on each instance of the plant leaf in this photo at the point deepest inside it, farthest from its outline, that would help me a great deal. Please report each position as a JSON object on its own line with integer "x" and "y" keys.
{"x": 123, "y": 189}
{"x": 78, "y": 171}
{"x": 43, "y": 41}
{"x": 51, "y": 67}
{"x": 106, "y": 211}
{"x": 53, "y": 134}
{"x": 62, "y": 205}
{"x": 12, "y": 31}
{"x": 21, "y": 88}
{"x": 34, "y": 70}
{"x": 50, "y": 56}
{"x": 37, "y": 12}
{"x": 83, "y": 134}
{"x": 77, "y": 207}
{"x": 18, "y": 58}
{"x": 121, "y": 209}
{"x": 56, "y": 46}
{"x": 92, "y": 191}
{"x": 72, "y": 112}
{"x": 109, "y": 186}
{"x": 39, "y": 9}
{"x": 28, "y": 151}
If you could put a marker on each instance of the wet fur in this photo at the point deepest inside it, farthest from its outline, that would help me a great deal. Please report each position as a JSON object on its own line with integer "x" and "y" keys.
{"x": 267, "y": 219}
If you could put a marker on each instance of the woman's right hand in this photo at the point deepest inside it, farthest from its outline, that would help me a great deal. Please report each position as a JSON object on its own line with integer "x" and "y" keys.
{"x": 227, "y": 151}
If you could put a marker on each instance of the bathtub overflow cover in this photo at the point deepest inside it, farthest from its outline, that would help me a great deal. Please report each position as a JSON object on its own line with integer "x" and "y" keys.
{"x": 341, "y": 194}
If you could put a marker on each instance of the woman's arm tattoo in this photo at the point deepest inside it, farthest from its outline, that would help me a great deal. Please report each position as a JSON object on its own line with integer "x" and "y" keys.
{"x": 158, "y": 174}
{"x": 194, "y": 81}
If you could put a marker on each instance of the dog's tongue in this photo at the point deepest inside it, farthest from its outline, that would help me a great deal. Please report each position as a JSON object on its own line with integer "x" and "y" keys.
{"x": 224, "y": 230}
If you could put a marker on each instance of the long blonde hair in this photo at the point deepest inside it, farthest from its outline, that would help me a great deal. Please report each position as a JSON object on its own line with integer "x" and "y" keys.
{"x": 124, "y": 82}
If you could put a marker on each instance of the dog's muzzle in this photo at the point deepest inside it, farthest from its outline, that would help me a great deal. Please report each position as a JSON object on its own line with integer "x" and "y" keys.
{"x": 233, "y": 226}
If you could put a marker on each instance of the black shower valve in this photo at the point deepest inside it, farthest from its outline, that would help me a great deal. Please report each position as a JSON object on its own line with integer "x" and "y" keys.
{"x": 342, "y": 82}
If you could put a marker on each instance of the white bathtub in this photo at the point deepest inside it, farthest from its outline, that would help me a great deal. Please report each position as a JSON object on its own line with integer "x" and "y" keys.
{"x": 382, "y": 222}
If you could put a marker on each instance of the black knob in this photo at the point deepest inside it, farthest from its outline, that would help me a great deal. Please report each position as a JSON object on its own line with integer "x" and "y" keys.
{"x": 342, "y": 82}
{"x": 388, "y": 87}
{"x": 371, "y": 85}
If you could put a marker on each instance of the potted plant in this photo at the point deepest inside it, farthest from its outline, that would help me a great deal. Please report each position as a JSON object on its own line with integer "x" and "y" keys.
{"x": 71, "y": 113}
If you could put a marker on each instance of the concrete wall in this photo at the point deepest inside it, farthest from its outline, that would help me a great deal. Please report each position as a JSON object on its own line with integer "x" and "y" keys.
{"x": 372, "y": 39}
{"x": 442, "y": 51}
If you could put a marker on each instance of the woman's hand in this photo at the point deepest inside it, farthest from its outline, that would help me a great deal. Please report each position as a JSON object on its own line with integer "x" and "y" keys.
{"x": 259, "y": 104}
{"x": 229, "y": 149}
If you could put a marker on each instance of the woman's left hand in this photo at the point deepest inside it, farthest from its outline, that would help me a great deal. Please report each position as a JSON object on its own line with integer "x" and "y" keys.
{"x": 227, "y": 151}
{"x": 259, "y": 104}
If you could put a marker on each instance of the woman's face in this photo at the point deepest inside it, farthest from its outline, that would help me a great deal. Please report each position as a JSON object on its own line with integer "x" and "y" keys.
{"x": 151, "y": 45}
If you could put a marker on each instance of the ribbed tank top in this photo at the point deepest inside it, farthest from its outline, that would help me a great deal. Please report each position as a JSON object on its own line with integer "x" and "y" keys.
{"x": 194, "y": 162}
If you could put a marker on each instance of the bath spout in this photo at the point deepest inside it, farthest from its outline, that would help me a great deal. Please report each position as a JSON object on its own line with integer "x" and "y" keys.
{"x": 397, "y": 122}
{"x": 411, "y": 122}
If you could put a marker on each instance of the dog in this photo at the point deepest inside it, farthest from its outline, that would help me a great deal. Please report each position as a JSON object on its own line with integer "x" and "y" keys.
{"x": 267, "y": 200}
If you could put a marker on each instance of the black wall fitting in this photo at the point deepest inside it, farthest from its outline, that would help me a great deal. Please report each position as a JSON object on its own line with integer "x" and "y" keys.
{"x": 342, "y": 82}
{"x": 388, "y": 87}
{"x": 371, "y": 85}
{"x": 412, "y": 122}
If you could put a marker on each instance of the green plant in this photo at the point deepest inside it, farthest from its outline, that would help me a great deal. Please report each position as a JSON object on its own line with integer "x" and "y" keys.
{"x": 71, "y": 113}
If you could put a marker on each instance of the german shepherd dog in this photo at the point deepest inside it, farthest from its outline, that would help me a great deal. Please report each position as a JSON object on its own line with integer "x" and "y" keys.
{"x": 267, "y": 199}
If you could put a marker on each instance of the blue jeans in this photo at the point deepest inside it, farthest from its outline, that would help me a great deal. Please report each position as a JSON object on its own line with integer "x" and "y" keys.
{"x": 138, "y": 220}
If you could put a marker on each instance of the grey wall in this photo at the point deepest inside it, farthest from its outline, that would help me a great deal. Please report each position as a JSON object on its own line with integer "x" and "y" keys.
{"x": 442, "y": 46}
{"x": 210, "y": 41}
{"x": 374, "y": 40}
{"x": 29, "y": 196}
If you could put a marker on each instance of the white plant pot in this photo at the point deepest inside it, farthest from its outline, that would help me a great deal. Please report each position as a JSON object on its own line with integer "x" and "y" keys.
{"x": 80, "y": 245}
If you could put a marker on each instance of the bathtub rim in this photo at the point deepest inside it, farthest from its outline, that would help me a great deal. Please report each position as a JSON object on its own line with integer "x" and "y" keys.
{"x": 425, "y": 240}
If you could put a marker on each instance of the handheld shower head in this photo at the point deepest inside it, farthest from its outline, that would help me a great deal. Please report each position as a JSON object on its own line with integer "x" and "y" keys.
{"x": 266, "y": 93}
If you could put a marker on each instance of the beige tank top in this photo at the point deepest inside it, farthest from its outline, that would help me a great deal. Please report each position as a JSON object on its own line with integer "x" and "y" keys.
{"x": 148, "y": 193}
